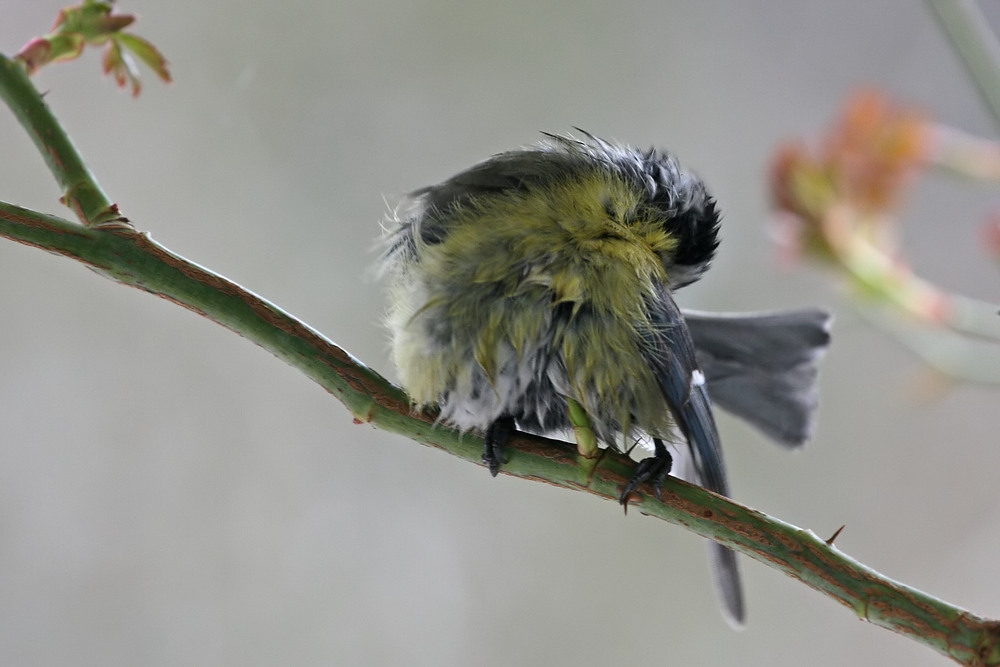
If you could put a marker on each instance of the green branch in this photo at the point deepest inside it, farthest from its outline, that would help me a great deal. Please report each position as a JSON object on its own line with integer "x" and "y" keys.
{"x": 107, "y": 243}
{"x": 79, "y": 187}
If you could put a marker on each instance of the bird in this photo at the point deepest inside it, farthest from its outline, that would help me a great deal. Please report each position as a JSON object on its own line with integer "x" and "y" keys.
{"x": 535, "y": 291}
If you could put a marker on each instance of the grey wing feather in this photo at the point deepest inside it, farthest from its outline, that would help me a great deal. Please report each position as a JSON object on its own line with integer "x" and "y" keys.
{"x": 762, "y": 367}
{"x": 671, "y": 355}
{"x": 514, "y": 170}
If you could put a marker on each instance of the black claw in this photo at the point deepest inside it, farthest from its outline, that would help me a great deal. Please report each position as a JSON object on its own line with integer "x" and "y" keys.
{"x": 655, "y": 468}
{"x": 496, "y": 437}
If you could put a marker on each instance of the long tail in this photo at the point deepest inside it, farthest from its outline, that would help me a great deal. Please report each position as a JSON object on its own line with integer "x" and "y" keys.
{"x": 671, "y": 355}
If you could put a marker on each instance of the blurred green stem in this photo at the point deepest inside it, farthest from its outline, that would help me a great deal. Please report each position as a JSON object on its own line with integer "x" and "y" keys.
{"x": 970, "y": 35}
{"x": 107, "y": 243}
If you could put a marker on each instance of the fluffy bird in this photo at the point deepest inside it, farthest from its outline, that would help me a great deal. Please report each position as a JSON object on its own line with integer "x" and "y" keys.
{"x": 534, "y": 290}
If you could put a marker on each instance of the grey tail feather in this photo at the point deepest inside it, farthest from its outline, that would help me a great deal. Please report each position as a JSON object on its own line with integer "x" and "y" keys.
{"x": 762, "y": 367}
{"x": 727, "y": 579}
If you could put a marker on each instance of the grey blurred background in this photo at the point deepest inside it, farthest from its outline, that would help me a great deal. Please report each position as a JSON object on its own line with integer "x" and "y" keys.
{"x": 170, "y": 494}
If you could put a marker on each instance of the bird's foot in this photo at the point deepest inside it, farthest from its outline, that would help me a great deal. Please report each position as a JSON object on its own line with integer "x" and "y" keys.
{"x": 653, "y": 469}
{"x": 496, "y": 438}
